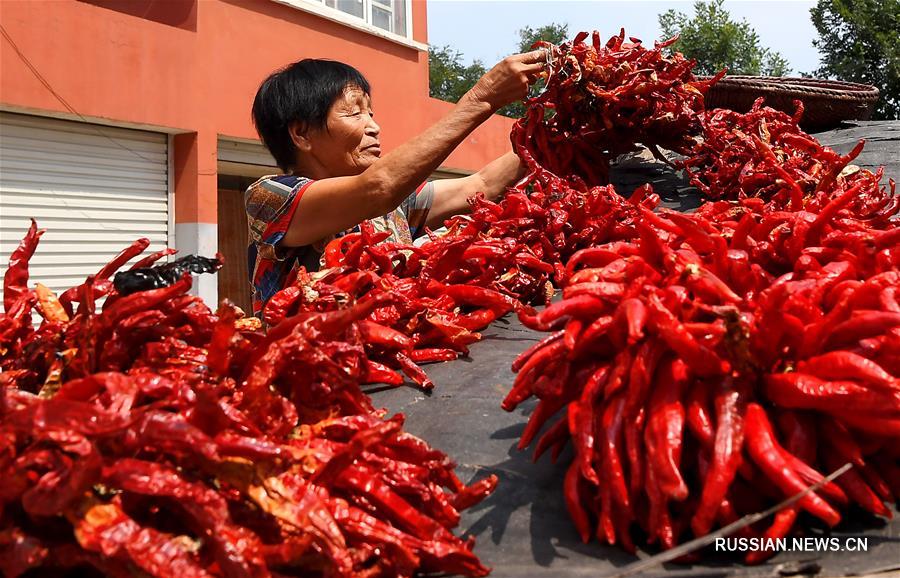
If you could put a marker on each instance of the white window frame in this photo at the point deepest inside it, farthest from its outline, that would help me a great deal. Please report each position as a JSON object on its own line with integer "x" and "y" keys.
{"x": 319, "y": 8}
{"x": 369, "y": 9}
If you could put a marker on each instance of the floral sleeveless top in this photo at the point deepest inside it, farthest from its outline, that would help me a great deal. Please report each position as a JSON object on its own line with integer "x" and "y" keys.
{"x": 271, "y": 203}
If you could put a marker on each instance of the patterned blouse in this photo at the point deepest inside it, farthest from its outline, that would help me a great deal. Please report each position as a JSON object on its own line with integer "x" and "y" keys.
{"x": 271, "y": 203}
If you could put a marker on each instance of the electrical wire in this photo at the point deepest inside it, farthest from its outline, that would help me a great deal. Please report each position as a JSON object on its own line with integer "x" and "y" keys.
{"x": 63, "y": 101}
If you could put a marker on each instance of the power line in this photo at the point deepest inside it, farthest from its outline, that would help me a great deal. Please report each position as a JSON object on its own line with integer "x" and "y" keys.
{"x": 63, "y": 101}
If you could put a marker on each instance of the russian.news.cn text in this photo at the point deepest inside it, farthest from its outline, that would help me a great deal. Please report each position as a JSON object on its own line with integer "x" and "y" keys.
{"x": 802, "y": 544}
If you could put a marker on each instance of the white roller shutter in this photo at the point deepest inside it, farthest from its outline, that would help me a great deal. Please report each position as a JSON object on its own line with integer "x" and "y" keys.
{"x": 245, "y": 159}
{"x": 94, "y": 188}
{"x": 245, "y": 153}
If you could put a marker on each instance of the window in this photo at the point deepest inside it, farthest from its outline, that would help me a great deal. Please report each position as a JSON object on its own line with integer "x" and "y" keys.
{"x": 388, "y": 15}
{"x": 352, "y": 7}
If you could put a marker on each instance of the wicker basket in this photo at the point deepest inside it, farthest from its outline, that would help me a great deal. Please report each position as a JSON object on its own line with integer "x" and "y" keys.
{"x": 826, "y": 102}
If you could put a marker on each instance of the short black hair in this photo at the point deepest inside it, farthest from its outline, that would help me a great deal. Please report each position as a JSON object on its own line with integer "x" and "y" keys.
{"x": 302, "y": 91}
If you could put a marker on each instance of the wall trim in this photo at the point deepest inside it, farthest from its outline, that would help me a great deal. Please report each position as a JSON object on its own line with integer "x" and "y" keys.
{"x": 200, "y": 239}
{"x": 104, "y": 121}
{"x": 353, "y": 22}
{"x": 170, "y": 183}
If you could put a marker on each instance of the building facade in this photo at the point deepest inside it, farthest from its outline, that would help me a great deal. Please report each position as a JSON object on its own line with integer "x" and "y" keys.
{"x": 128, "y": 118}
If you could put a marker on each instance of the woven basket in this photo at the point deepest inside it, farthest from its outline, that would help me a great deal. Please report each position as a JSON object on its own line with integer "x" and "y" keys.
{"x": 826, "y": 102}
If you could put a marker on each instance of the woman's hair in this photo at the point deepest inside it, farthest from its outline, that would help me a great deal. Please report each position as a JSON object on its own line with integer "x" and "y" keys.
{"x": 302, "y": 91}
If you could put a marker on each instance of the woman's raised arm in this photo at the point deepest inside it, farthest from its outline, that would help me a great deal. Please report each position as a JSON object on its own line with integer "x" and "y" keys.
{"x": 331, "y": 205}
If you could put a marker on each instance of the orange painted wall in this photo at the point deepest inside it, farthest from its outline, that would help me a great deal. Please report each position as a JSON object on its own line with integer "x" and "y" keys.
{"x": 193, "y": 66}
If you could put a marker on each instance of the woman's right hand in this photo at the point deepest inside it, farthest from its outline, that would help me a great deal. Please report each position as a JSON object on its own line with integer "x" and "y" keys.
{"x": 508, "y": 80}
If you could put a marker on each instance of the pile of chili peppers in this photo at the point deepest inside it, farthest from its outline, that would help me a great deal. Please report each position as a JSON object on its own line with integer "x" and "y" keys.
{"x": 714, "y": 364}
{"x": 601, "y": 99}
{"x": 418, "y": 320}
{"x": 488, "y": 263}
{"x": 764, "y": 153}
{"x": 159, "y": 437}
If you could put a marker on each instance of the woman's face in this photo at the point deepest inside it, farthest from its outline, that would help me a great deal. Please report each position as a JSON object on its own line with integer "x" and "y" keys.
{"x": 349, "y": 144}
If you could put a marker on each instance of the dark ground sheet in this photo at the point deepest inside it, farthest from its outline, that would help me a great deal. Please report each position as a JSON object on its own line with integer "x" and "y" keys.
{"x": 523, "y": 529}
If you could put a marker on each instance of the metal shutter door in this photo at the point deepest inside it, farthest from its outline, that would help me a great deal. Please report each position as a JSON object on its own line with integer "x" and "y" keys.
{"x": 245, "y": 153}
{"x": 94, "y": 188}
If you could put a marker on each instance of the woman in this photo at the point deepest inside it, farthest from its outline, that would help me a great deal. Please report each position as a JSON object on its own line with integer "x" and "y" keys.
{"x": 316, "y": 118}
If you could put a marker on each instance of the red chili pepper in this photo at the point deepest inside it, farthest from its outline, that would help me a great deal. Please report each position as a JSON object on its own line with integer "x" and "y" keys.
{"x": 123, "y": 257}
{"x": 574, "y": 502}
{"x": 856, "y": 487}
{"x": 379, "y": 373}
{"x": 555, "y": 437}
{"x": 528, "y": 353}
{"x": 701, "y": 360}
{"x": 544, "y": 410}
{"x": 841, "y": 365}
{"x": 726, "y": 456}
{"x": 583, "y": 426}
{"x": 475, "y": 296}
{"x": 768, "y": 455}
{"x": 15, "y": 280}
{"x": 863, "y": 324}
{"x": 663, "y": 434}
{"x": 581, "y": 306}
{"x": 474, "y": 493}
{"x": 781, "y": 526}
{"x": 699, "y": 418}
{"x": 802, "y": 391}
{"x": 571, "y": 333}
{"x": 384, "y": 337}
{"x": 432, "y": 354}
{"x": 597, "y": 289}
{"x": 811, "y": 476}
{"x": 612, "y": 457}
{"x": 591, "y": 256}
{"x": 142, "y": 300}
{"x": 873, "y": 425}
{"x": 413, "y": 371}
{"x": 877, "y": 483}
{"x": 592, "y": 335}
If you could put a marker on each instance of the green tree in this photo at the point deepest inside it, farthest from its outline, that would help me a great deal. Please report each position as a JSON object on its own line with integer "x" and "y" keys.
{"x": 716, "y": 41}
{"x": 448, "y": 77}
{"x": 860, "y": 42}
{"x": 552, "y": 33}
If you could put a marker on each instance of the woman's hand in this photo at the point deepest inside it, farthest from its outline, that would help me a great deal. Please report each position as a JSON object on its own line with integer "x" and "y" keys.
{"x": 508, "y": 80}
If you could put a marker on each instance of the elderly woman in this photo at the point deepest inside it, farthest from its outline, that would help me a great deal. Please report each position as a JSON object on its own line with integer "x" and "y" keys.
{"x": 316, "y": 118}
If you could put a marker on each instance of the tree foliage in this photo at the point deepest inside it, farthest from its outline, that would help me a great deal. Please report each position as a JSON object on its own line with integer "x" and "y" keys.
{"x": 553, "y": 33}
{"x": 449, "y": 78}
{"x": 528, "y": 36}
{"x": 716, "y": 41}
{"x": 860, "y": 42}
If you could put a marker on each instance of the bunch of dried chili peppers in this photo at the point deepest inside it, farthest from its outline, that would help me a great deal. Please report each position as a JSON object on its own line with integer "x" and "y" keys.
{"x": 158, "y": 437}
{"x": 487, "y": 264}
{"x": 601, "y": 99}
{"x": 545, "y": 228}
{"x": 717, "y": 363}
{"x": 764, "y": 153}
{"x": 489, "y": 261}
{"x": 417, "y": 320}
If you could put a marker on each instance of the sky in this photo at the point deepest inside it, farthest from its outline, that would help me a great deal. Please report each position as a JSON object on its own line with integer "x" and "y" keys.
{"x": 487, "y": 29}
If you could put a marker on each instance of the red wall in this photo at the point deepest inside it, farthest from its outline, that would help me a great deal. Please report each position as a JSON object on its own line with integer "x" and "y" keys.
{"x": 193, "y": 66}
